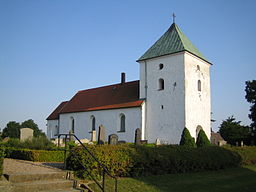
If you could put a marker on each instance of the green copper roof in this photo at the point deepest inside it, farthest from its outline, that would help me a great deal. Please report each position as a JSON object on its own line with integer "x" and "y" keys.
{"x": 172, "y": 41}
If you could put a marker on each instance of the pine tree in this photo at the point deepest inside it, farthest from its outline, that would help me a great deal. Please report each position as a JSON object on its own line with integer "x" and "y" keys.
{"x": 202, "y": 139}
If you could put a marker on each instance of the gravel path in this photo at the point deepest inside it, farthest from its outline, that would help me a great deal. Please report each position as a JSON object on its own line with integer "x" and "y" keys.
{"x": 20, "y": 166}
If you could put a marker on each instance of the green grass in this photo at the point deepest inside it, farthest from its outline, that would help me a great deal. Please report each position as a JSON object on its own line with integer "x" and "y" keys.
{"x": 230, "y": 180}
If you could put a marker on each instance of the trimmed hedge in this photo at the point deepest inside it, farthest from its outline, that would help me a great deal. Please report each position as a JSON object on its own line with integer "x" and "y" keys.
{"x": 35, "y": 155}
{"x": 187, "y": 139}
{"x": 130, "y": 160}
{"x": 247, "y": 153}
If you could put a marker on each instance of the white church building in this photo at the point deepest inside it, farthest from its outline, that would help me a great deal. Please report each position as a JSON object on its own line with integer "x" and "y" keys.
{"x": 173, "y": 92}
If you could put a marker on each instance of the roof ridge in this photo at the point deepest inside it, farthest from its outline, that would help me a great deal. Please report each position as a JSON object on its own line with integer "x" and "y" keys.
{"x": 105, "y": 86}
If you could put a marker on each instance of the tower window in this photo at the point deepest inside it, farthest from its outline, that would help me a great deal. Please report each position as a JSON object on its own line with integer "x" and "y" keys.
{"x": 199, "y": 86}
{"x": 161, "y": 66}
{"x": 160, "y": 84}
{"x": 198, "y": 68}
{"x": 122, "y": 122}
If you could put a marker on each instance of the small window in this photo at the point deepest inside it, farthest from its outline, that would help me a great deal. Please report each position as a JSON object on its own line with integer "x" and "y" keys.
{"x": 122, "y": 123}
{"x": 199, "y": 86}
{"x": 160, "y": 84}
{"x": 93, "y": 123}
{"x": 198, "y": 68}
{"x": 162, "y": 107}
{"x": 72, "y": 125}
{"x": 161, "y": 66}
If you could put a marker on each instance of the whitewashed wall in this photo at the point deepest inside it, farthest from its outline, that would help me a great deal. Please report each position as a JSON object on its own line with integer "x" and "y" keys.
{"x": 167, "y": 123}
{"x": 110, "y": 119}
{"x": 52, "y": 128}
{"x": 198, "y": 103}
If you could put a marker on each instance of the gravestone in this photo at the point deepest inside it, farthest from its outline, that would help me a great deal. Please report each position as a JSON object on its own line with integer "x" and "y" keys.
{"x": 113, "y": 139}
{"x": 138, "y": 136}
{"x": 158, "y": 142}
{"x": 26, "y": 133}
{"x": 101, "y": 136}
{"x": 93, "y": 136}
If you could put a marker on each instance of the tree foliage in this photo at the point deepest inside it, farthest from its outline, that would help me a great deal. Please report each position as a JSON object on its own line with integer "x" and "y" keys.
{"x": 232, "y": 131}
{"x": 11, "y": 130}
{"x": 31, "y": 124}
{"x": 202, "y": 139}
{"x": 250, "y": 96}
{"x": 186, "y": 139}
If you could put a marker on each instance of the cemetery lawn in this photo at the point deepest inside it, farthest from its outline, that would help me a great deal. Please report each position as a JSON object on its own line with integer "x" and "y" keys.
{"x": 228, "y": 180}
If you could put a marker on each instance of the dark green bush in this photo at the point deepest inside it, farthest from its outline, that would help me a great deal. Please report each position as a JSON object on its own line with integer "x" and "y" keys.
{"x": 186, "y": 139}
{"x": 247, "y": 153}
{"x": 37, "y": 143}
{"x": 2, "y": 155}
{"x": 35, "y": 155}
{"x": 202, "y": 139}
{"x": 128, "y": 160}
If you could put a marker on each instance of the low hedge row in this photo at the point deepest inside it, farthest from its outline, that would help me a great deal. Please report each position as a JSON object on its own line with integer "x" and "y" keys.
{"x": 247, "y": 153}
{"x": 130, "y": 160}
{"x": 35, "y": 155}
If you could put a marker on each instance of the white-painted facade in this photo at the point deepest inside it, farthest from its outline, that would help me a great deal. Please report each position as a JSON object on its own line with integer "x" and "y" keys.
{"x": 52, "y": 128}
{"x": 110, "y": 119}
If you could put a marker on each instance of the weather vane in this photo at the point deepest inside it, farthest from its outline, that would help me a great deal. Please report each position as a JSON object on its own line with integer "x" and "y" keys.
{"x": 173, "y": 17}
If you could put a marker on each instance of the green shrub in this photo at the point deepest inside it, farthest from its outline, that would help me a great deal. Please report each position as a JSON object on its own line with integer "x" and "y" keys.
{"x": 186, "y": 139}
{"x": 128, "y": 160}
{"x": 37, "y": 143}
{"x": 247, "y": 153}
{"x": 2, "y": 155}
{"x": 35, "y": 155}
{"x": 202, "y": 139}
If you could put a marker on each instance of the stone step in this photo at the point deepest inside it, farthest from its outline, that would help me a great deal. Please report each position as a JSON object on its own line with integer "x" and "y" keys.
{"x": 25, "y": 177}
{"x": 45, "y": 185}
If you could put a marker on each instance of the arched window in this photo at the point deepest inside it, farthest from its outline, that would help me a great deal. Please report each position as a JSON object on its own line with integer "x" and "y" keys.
{"x": 161, "y": 84}
{"x": 72, "y": 125}
{"x": 122, "y": 122}
{"x": 93, "y": 123}
{"x": 199, "y": 86}
{"x": 198, "y": 128}
{"x": 198, "y": 68}
{"x": 56, "y": 131}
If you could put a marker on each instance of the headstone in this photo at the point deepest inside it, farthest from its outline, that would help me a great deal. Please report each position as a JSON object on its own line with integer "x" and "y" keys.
{"x": 138, "y": 136}
{"x": 26, "y": 133}
{"x": 71, "y": 137}
{"x": 93, "y": 136}
{"x": 113, "y": 139}
{"x": 101, "y": 136}
{"x": 242, "y": 143}
{"x": 143, "y": 142}
{"x": 121, "y": 142}
{"x": 158, "y": 142}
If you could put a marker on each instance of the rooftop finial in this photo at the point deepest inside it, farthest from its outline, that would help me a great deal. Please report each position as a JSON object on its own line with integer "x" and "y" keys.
{"x": 173, "y": 17}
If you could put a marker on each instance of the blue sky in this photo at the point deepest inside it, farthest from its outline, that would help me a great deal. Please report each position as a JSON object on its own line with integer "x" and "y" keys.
{"x": 50, "y": 49}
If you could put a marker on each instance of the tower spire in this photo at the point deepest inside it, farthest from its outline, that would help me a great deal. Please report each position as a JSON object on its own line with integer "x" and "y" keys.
{"x": 173, "y": 17}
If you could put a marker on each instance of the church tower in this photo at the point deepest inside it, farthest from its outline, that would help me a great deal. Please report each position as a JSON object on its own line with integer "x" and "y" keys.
{"x": 175, "y": 84}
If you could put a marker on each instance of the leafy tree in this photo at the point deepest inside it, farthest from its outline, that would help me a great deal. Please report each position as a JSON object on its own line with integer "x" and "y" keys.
{"x": 11, "y": 130}
{"x": 250, "y": 96}
{"x": 31, "y": 124}
{"x": 202, "y": 139}
{"x": 186, "y": 139}
{"x": 232, "y": 131}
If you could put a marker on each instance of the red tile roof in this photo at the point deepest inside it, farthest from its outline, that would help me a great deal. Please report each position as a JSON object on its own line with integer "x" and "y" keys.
{"x": 122, "y": 95}
{"x": 55, "y": 114}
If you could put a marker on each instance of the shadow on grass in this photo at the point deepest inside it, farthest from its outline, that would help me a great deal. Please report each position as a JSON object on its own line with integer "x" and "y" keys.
{"x": 235, "y": 179}
{"x": 241, "y": 179}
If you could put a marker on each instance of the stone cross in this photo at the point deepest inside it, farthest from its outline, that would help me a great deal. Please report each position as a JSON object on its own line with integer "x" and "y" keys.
{"x": 173, "y": 17}
{"x": 101, "y": 136}
{"x": 26, "y": 133}
{"x": 138, "y": 136}
{"x": 113, "y": 139}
